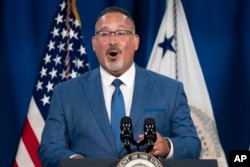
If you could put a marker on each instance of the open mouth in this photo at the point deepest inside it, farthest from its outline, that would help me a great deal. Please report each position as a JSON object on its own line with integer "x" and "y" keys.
{"x": 113, "y": 53}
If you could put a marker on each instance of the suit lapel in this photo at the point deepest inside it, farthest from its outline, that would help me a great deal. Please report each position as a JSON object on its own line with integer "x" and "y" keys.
{"x": 142, "y": 89}
{"x": 94, "y": 93}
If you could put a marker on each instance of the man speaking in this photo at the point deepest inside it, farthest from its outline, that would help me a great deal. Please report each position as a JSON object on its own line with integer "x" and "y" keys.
{"x": 85, "y": 112}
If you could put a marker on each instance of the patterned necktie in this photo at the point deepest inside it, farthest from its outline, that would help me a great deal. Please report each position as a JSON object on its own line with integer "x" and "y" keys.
{"x": 117, "y": 111}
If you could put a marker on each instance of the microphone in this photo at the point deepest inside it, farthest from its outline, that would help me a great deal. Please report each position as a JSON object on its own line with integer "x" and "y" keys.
{"x": 149, "y": 133}
{"x": 126, "y": 133}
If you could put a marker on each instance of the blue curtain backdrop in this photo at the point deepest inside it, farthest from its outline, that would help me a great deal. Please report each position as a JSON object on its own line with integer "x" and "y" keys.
{"x": 220, "y": 30}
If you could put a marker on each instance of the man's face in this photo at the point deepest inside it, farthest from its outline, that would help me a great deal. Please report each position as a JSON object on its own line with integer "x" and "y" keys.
{"x": 115, "y": 53}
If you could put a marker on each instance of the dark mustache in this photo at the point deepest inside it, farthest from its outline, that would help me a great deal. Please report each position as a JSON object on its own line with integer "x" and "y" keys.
{"x": 113, "y": 48}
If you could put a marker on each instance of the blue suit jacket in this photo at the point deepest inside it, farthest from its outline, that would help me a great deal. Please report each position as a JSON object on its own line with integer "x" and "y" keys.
{"x": 77, "y": 122}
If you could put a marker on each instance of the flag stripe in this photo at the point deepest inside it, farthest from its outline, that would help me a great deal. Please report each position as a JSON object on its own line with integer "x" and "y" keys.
{"x": 35, "y": 118}
{"x": 31, "y": 143}
{"x": 15, "y": 164}
{"x": 22, "y": 157}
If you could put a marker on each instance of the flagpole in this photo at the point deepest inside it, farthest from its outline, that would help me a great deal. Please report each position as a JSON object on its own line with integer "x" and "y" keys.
{"x": 67, "y": 61}
{"x": 175, "y": 40}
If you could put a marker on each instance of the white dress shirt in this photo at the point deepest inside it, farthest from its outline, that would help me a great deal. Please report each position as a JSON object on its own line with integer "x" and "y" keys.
{"x": 127, "y": 88}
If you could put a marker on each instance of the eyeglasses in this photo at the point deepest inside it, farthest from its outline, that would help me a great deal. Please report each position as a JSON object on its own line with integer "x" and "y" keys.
{"x": 119, "y": 34}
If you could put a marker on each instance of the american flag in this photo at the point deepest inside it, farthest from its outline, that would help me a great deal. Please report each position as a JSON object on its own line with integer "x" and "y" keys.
{"x": 64, "y": 58}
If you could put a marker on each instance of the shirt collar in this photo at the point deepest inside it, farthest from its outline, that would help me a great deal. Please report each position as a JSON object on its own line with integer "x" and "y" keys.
{"x": 127, "y": 78}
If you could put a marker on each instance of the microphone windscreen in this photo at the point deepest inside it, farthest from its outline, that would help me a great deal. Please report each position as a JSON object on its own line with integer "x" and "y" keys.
{"x": 126, "y": 120}
{"x": 149, "y": 121}
{"x": 149, "y": 131}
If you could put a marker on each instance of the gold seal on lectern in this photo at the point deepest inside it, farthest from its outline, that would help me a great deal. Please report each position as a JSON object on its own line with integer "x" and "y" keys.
{"x": 139, "y": 159}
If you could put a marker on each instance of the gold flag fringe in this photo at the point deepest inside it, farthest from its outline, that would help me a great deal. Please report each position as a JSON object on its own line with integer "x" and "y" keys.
{"x": 75, "y": 12}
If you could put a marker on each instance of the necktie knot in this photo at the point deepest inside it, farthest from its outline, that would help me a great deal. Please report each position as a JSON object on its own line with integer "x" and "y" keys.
{"x": 117, "y": 83}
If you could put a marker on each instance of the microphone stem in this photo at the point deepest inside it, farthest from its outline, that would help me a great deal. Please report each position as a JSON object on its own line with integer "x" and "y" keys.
{"x": 127, "y": 147}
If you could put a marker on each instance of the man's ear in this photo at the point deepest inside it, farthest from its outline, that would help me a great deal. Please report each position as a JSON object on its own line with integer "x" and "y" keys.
{"x": 137, "y": 42}
{"x": 93, "y": 43}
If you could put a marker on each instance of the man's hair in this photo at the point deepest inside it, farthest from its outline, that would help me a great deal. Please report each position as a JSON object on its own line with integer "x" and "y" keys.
{"x": 113, "y": 9}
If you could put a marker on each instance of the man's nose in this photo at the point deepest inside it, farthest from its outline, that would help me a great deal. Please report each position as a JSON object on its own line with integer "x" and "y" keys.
{"x": 112, "y": 39}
